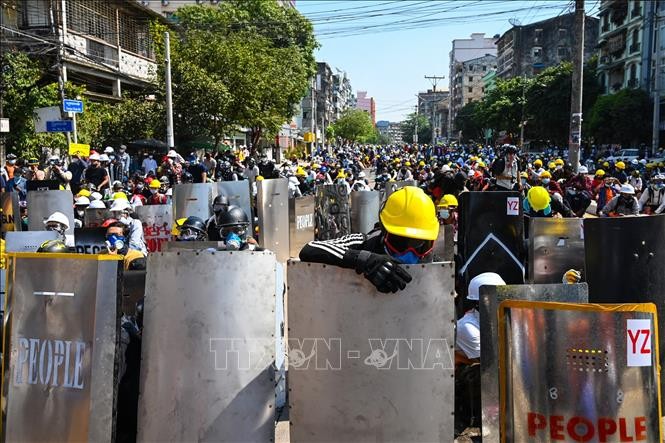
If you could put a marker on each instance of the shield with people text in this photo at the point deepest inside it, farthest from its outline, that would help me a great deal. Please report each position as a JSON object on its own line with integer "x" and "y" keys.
{"x": 301, "y": 223}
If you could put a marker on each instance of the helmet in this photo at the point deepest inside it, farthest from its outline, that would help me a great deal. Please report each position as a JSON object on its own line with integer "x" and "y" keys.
{"x": 120, "y": 205}
{"x": 58, "y": 217}
{"x": 95, "y": 196}
{"x": 97, "y": 204}
{"x": 155, "y": 184}
{"x": 233, "y": 216}
{"x": 538, "y": 198}
{"x": 259, "y": 178}
{"x": 448, "y": 200}
{"x": 94, "y": 156}
{"x": 606, "y": 164}
{"x": 361, "y": 174}
{"x": 193, "y": 228}
{"x": 407, "y": 164}
{"x": 545, "y": 174}
{"x": 83, "y": 193}
{"x": 341, "y": 174}
{"x": 82, "y": 201}
{"x": 538, "y": 163}
{"x": 600, "y": 173}
{"x": 582, "y": 170}
{"x": 558, "y": 162}
{"x": 175, "y": 230}
{"x": 172, "y": 154}
{"x": 119, "y": 196}
{"x": 481, "y": 164}
{"x": 510, "y": 149}
{"x": 523, "y": 174}
{"x": 410, "y": 213}
{"x": 551, "y": 165}
{"x": 108, "y": 150}
{"x": 53, "y": 247}
{"x": 164, "y": 180}
{"x": 484, "y": 279}
{"x": 33, "y": 161}
{"x": 104, "y": 158}
{"x": 109, "y": 222}
{"x": 300, "y": 172}
{"x": 220, "y": 203}
{"x": 621, "y": 165}
{"x": 627, "y": 189}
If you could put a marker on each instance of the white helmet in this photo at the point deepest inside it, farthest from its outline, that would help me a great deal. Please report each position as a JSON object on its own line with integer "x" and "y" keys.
{"x": 104, "y": 158}
{"x": 627, "y": 189}
{"x": 108, "y": 150}
{"x": 96, "y": 196}
{"x": 643, "y": 161}
{"x": 94, "y": 156}
{"x": 58, "y": 217}
{"x": 634, "y": 162}
{"x": 172, "y": 154}
{"x": 582, "y": 170}
{"x": 484, "y": 279}
{"x": 97, "y": 204}
{"x": 120, "y": 205}
{"x": 82, "y": 201}
{"x": 361, "y": 174}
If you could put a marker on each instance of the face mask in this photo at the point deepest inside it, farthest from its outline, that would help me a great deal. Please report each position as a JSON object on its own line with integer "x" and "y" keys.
{"x": 154, "y": 191}
{"x": 407, "y": 258}
{"x": 150, "y": 157}
{"x": 444, "y": 214}
{"x": 80, "y": 212}
{"x": 139, "y": 188}
{"x": 125, "y": 220}
{"x": 116, "y": 241}
{"x": 12, "y": 162}
{"x": 572, "y": 191}
{"x": 233, "y": 241}
{"x": 56, "y": 227}
{"x": 546, "y": 181}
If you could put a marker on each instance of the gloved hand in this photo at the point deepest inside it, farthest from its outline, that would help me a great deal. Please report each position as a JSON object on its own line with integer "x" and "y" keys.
{"x": 571, "y": 277}
{"x": 384, "y": 273}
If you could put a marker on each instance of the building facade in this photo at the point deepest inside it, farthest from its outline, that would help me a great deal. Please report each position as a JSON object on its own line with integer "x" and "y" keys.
{"x": 464, "y": 50}
{"x": 105, "y": 46}
{"x": 342, "y": 94}
{"x": 167, "y": 8}
{"x": 527, "y": 50}
{"x": 367, "y": 104}
{"x": 430, "y": 106}
{"x": 395, "y": 133}
{"x": 468, "y": 84}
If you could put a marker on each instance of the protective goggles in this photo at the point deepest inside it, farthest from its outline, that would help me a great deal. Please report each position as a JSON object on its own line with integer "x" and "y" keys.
{"x": 189, "y": 234}
{"x": 402, "y": 245}
{"x": 239, "y": 230}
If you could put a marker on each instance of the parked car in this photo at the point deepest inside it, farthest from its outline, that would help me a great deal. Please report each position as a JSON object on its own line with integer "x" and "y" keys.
{"x": 625, "y": 155}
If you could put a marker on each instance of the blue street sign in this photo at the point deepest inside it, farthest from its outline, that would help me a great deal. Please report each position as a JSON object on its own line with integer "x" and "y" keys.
{"x": 72, "y": 106}
{"x": 60, "y": 126}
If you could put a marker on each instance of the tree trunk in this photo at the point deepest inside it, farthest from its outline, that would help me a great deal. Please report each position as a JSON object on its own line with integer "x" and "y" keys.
{"x": 256, "y": 139}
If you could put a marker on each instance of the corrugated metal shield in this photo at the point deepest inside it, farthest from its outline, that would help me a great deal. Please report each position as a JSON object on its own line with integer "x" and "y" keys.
{"x": 41, "y": 204}
{"x": 332, "y": 212}
{"x": 192, "y": 199}
{"x": 238, "y": 193}
{"x": 27, "y": 241}
{"x": 490, "y": 298}
{"x": 208, "y": 347}
{"x": 395, "y": 186}
{"x": 272, "y": 204}
{"x": 301, "y": 223}
{"x": 365, "y": 206}
{"x": 555, "y": 246}
{"x": 157, "y": 222}
{"x": 94, "y": 218}
{"x": 60, "y": 382}
{"x": 589, "y": 374}
{"x": 365, "y": 366}
{"x": 444, "y": 245}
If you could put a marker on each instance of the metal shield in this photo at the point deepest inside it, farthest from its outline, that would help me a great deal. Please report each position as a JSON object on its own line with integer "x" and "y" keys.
{"x": 490, "y": 298}
{"x": 192, "y": 199}
{"x": 332, "y": 212}
{"x": 301, "y": 223}
{"x": 61, "y": 343}
{"x": 11, "y": 215}
{"x": 157, "y": 221}
{"x": 589, "y": 374}
{"x": 94, "y": 218}
{"x": 365, "y": 366}
{"x": 365, "y": 206}
{"x": 395, "y": 186}
{"x": 555, "y": 246}
{"x": 27, "y": 241}
{"x": 272, "y": 204}
{"x": 238, "y": 193}
{"x": 208, "y": 347}
{"x": 41, "y": 204}
{"x": 444, "y": 245}
{"x": 90, "y": 240}
{"x": 491, "y": 235}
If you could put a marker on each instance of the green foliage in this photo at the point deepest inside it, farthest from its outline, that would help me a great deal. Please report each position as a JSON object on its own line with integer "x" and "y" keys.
{"x": 424, "y": 128}
{"x": 355, "y": 125}
{"x": 624, "y": 117}
{"x": 469, "y": 122}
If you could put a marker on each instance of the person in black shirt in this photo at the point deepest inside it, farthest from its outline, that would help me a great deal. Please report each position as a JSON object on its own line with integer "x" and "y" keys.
{"x": 198, "y": 171}
{"x": 95, "y": 174}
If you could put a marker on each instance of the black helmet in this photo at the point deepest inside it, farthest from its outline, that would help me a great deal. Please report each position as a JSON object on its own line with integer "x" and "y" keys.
{"x": 193, "y": 229}
{"x": 53, "y": 247}
{"x": 220, "y": 203}
{"x": 234, "y": 220}
{"x": 187, "y": 177}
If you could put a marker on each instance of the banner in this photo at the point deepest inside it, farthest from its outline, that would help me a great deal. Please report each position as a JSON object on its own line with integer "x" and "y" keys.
{"x": 157, "y": 223}
{"x": 11, "y": 216}
{"x": 80, "y": 149}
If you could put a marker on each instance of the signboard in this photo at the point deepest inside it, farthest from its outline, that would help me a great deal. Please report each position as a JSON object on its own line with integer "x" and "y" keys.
{"x": 308, "y": 137}
{"x": 61, "y": 347}
{"x": 41, "y": 115}
{"x": 79, "y": 149}
{"x": 590, "y": 391}
{"x": 272, "y": 203}
{"x": 4, "y": 124}
{"x": 157, "y": 221}
{"x": 365, "y": 366}
{"x": 301, "y": 223}
{"x": 60, "y": 126}
{"x": 72, "y": 106}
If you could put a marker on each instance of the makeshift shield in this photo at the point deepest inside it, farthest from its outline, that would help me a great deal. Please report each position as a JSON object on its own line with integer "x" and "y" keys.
{"x": 90, "y": 240}
{"x": 301, "y": 223}
{"x": 555, "y": 246}
{"x": 490, "y": 298}
{"x": 395, "y": 186}
{"x": 62, "y": 321}
{"x": 491, "y": 236}
{"x": 28, "y": 241}
{"x": 589, "y": 374}
{"x": 44, "y": 203}
{"x": 238, "y": 193}
{"x": 332, "y": 212}
{"x": 208, "y": 347}
{"x": 365, "y": 206}
{"x": 94, "y": 218}
{"x": 365, "y": 366}
{"x": 444, "y": 245}
{"x": 192, "y": 199}
{"x": 157, "y": 221}
{"x": 11, "y": 215}
{"x": 272, "y": 204}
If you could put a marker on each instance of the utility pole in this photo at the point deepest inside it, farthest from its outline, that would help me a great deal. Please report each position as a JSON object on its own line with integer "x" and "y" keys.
{"x": 655, "y": 137}
{"x": 523, "y": 121}
{"x": 434, "y": 79}
{"x": 170, "y": 141}
{"x": 415, "y": 131}
{"x": 62, "y": 70}
{"x": 575, "y": 136}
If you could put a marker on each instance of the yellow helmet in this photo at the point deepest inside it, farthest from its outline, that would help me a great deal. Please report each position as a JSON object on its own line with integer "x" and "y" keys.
{"x": 650, "y": 165}
{"x": 175, "y": 230}
{"x": 421, "y": 163}
{"x": 538, "y": 163}
{"x": 481, "y": 164}
{"x": 661, "y": 164}
{"x": 538, "y": 198}
{"x": 448, "y": 200}
{"x": 600, "y": 173}
{"x": 120, "y": 196}
{"x": 341, "y": 174}
{"x": 259, "y": 178}
{"x": 558, "y": 162}
{"x": 551, "y": 165}
{"x": 410, "y": 213}
{"x": 545, "y": 174}
{"x": 300, "y": 172}
{"x": 523, "y": 174}
{"x": 155, "y": 184}
{"x": 83, "y": 193}
{"x": 407, "y": 164}
{"x": 621, "y": 165}
{"x": 606, "y": 164}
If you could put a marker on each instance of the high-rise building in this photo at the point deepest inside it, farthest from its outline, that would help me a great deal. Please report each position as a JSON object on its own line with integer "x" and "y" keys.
{"x": 463, "y": 50}
{"x": 434, "y": 105}
{"x": 527, "y": 50}
{"x": 367, "y": 104}
{"x": 468, "y": 85}
{"x": 342, "y": 94}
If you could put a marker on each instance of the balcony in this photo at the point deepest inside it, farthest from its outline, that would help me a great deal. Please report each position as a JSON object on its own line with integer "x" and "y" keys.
{"x": 635, "y": 47}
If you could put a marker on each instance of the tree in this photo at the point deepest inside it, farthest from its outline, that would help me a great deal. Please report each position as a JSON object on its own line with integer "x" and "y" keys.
{"x": 469, "y": 121}
{"x": 424, "y": 128}
{"x": 624, "y": 117}
{"x": 355, "y": 125}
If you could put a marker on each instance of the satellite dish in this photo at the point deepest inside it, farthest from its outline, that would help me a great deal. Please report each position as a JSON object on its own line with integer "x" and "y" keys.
{"x": 515, "y": 21}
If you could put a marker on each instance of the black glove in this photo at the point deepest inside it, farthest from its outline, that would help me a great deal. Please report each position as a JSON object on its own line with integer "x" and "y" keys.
{"x": 382, "y": 271}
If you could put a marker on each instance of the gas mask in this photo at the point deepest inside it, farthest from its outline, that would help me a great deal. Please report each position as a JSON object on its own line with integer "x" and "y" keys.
{"x": 115, "y": 241}
{"x": 56, "y": 227}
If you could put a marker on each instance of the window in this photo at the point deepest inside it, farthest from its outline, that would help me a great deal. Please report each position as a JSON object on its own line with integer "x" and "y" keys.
{"x": 562, "y": 33}
{"x": 636, "y": 36}
{"x": 562, "y": 51}
{"x": 633, "y": 72}
{"x": 484, "y": 68}
{"x": 470, "y": 79}
{"x": 537, "y": 36}
{"x": 470, "y": 89}
{"x": 34, "y": 13}
{"x": 536, "y": 51}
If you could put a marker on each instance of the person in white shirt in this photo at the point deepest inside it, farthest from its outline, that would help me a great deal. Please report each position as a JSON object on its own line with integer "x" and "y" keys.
{"x": 149, "y": 164}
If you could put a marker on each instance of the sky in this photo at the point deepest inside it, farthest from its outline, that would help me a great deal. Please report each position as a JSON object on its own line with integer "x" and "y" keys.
{"x": 387, "y": 47}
